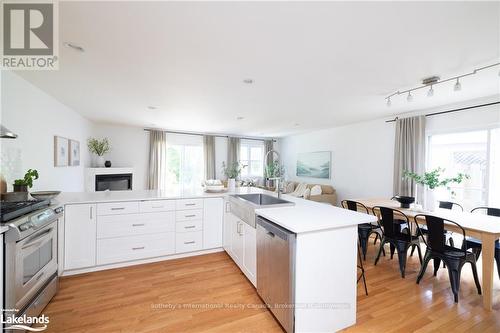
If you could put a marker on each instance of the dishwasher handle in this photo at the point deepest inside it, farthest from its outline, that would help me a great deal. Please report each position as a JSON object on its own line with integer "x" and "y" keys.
{"x": 274, "y": 230}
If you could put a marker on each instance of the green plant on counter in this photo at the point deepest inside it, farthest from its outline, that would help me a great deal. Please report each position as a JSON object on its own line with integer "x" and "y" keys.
{"x": 232, "y": 171}
{"x": 28, "y": 179}
{"x": 432, "y": 179}
{"x": 274, "y": 170}
{"x": 98, "y": 147}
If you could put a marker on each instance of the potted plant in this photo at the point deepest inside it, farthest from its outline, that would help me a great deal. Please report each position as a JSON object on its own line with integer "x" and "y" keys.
{"x": 273, "y": 170}
{"x": 22, "y": 185}
{"x": 431, "y": 180}
{"x": 99, "y": 148}
{"x": 232, "y": 172}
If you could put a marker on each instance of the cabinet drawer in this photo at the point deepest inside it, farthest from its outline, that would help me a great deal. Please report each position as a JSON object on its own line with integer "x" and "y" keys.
{"x": 135, "y": 224}
{"x": 113, "y": 208}
{"x": 156, "y": 206}
{"x": 188, "y": 226}
{"x": 189, "y": 215}
{"x": 188, "y": 241}
{"x": 115, "y": 250}
{"x": 189, "y": 204}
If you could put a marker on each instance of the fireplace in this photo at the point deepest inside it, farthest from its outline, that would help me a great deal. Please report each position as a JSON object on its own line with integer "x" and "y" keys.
{"x": 113, "y": 182}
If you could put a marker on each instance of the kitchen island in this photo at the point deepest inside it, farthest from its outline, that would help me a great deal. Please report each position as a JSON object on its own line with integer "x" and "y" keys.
{"x": 103, "y": 230}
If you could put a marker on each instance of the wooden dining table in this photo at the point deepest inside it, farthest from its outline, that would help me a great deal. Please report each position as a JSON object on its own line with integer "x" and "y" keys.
{"x": 480, "y": 226}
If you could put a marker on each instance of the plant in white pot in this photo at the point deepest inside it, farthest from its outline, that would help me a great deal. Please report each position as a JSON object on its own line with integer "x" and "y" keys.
{"x": 99, "y": 148}
{"x": 431, "y": 180}
{"x": 232, "y": 172}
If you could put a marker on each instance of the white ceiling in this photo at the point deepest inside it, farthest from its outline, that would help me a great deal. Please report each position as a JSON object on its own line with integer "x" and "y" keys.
{"x": 313, "y": 64}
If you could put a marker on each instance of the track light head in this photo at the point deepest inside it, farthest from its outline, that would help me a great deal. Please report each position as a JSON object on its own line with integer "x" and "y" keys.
{"x": 389, "y": 102}
{"x": 430, "y": 93}
{"x": 457, "y": 86}
{"x": 409, "y": 98}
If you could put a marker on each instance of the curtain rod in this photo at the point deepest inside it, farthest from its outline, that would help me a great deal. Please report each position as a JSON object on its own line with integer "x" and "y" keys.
{"x": 201, "y": 134}
{"x": 450, "y": 111}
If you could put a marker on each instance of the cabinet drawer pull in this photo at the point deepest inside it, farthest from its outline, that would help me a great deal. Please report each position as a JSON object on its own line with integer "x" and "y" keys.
{"x": 190, "y": 204}
{"x": 192, "y": 215}
{"x": 117, "y": 208}
{"x": 138, "y": 248}
{"x": 156, "y": 207}
{"x": 138, "y": 224}
{"x": 189, "y": 227}
{"x": 191, "y": 242}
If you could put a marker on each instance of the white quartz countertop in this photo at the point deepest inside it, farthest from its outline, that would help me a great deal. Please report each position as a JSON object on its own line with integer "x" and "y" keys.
{"x": 312, "y": 216}
{"x": 304, "y": 216}
{"x": 117, "y": 196}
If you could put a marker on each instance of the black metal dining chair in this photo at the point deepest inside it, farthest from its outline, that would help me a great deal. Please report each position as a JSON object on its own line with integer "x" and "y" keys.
{"x": 400, "y": 240}
{"x": 365, "y": 230}
{"x": 454, "y": 258}
{"x": 475, "y": 244}
{"x": 450, "y": 205}
{"x": 448, "y": 234}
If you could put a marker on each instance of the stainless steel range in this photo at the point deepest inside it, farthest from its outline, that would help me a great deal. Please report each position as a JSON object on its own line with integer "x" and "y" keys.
{"x": 30, "y": 265}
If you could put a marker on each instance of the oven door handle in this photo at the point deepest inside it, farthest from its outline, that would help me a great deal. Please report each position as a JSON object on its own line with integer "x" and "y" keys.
{"x": 36, "y": 239}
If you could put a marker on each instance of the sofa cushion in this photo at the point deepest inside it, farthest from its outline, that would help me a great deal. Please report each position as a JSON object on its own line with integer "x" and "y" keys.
{"x": 316, "y": 190}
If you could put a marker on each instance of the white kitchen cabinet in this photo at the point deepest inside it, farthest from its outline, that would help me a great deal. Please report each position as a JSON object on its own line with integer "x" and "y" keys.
{"x": 237, "y": 241}
{"x": 111, "y": 226}
{"x": 228, "y": 223}
{"x": 250, "y": 252}
{"x": 213, "y": 222}
{"x": 240, "y": 242}
{"x": 114, "y": 250}
{"x": 79, "y": 236}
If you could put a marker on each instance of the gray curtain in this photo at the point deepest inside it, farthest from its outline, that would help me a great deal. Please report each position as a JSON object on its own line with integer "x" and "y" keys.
{"x": 233, "y": 150}
{"x": 268, "y": 146}
{"x": 409, "y": 153}
{"x": 157, "y": 160}
{"x": 209, "y": 154}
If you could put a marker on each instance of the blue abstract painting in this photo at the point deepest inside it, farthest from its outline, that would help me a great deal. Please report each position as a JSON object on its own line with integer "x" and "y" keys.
{"x": 316, "y": 164}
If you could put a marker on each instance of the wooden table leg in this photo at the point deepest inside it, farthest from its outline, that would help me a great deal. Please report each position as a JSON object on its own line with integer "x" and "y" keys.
{"x": 488, "y": 245}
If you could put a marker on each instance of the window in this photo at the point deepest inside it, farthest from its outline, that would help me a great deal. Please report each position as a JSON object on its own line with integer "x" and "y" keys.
{"x": 475, "y": 153}
{"x": 185, "y": 167}
{"x": 252, "y": 155}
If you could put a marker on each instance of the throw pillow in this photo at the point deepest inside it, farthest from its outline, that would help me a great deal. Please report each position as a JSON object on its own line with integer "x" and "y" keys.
{"x": 316, "y": 190}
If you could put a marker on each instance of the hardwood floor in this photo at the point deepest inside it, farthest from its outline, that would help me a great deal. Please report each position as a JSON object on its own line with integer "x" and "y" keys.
{"x": 136, "y": 299}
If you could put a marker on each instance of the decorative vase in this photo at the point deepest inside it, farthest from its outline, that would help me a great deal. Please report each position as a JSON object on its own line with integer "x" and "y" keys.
{"x": 430, "y": 200}
{"x": 231, "y": 184}
{"x": 99, "y": 161}
{"x": 107, "y": 164}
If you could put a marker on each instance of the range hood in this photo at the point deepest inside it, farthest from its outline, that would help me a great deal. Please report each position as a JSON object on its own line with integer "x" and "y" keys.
{"x": 5, "y": 133}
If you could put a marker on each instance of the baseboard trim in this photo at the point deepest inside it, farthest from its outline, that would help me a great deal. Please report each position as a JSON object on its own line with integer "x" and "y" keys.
{"x": 139, "y": 262}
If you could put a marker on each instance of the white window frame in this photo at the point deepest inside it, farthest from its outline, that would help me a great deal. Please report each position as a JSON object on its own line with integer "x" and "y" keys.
{"x": 249, "y": 144}
{"x": 487, "y": 128}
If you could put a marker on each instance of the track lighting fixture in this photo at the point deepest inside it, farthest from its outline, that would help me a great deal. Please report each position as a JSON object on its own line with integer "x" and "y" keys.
{"x": 434, "y": 80}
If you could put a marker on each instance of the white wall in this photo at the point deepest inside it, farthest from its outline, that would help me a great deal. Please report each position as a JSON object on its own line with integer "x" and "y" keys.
{"x": 363, "y": 153}
{"x": 129, "y": 148}
{"x": 362, "y": 157}
{"x": 36, "y": 117}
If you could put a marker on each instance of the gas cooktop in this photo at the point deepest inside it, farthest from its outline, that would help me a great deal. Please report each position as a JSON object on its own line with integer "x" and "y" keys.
{"x": 11, "y": 210}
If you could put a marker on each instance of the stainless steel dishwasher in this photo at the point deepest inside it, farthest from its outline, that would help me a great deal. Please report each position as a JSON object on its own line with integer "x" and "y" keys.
{"x": 276, "y": 270}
